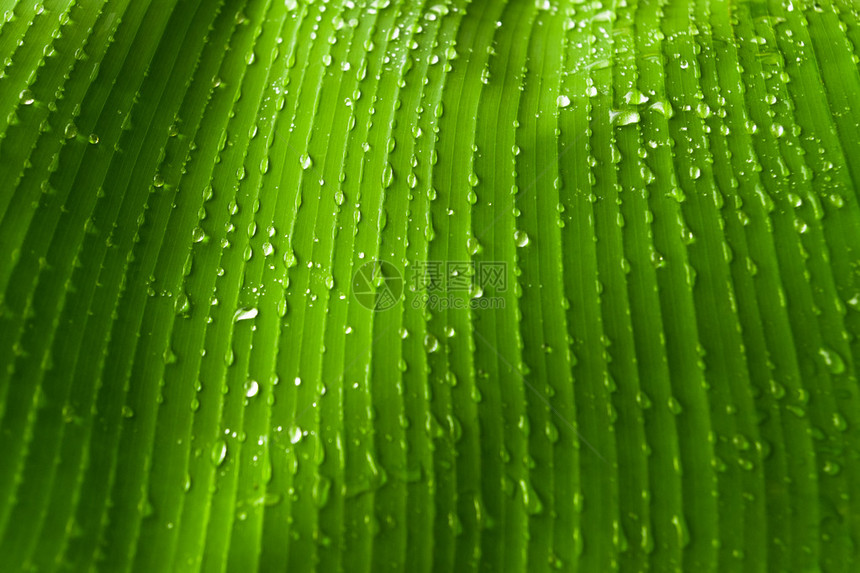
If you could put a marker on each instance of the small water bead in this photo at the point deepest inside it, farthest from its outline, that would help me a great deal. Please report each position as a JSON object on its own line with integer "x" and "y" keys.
{"x": 531, "y": 501}
{"x": 623, "y": 117}
{"x": 562, "y": 101}
{"x": 169, "y": 356}
{"x": 182, "y": 305}
{"x": 93, "y": 139}
{"x": 839, "y": 422}
{"x": 387, "y": 175}
{"x": 251, "y": 388}
{"x": 295, "y": 435}
{"x": 305, "y": 161}
{"x": 219, "y": 452}
{"x": 473, "y": 246}
{"x": 521, "y": 238}
{"x": 831, "y": 468}
{"x": 430, "y": 343}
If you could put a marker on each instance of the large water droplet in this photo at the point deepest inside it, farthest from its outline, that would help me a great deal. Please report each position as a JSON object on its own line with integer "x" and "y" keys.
{"x": 305, "y": 161}
{"x": 244, "y": 314}
{"x": 833, "y": 361}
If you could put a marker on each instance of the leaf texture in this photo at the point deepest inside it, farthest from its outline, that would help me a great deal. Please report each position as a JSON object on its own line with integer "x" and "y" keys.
{"x": 218, "y": 352}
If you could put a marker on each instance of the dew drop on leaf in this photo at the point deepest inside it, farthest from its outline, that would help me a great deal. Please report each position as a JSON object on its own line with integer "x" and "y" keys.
{"x": 832, "y": 360}
{"x": 219, "y": 452}
{"x": 244, "y": 314}
{"x": 430, "y": 343}
{"x": 521, "y": 238}
{"x": 305, "y": 161}
{"x": 295, "y": 435}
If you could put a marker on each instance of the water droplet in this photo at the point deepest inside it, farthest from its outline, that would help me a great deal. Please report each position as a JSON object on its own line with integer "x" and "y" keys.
{"x": 635, "y": 97}
{"x": 662, "y": 108}
{"x": 387, "y": 175}
{"x": 831, "y": 468}
{"x": 833, "y": 361}
{"x": 26, "y": 97}
{"x": 295, "y": 435}
{"x": 623, "y": 117}
{"x": 681, "y": 529}
{"x": 305, "y": 161}
{"x": 182, "y": 304}
{"x": 219, "y": 452}
{"x": 251, "y": 388}
{"x": 244, "y": 314}
{"x": 531, "y": 501}
{"x": 430, "y": 343}
{"x": 521, "y": 238}
{"x": 562, "y": 101}
{"x": 473, "y": 246}
{"x": 839, "y": 422}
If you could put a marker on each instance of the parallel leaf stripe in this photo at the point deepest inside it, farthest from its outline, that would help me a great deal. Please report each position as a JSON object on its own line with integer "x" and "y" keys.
{"x": 70, "y": 231}
{"x": 634, "y": 236}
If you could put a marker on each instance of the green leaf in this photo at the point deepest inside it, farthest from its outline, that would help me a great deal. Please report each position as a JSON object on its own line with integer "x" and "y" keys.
{"x": 401, "y": 286}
